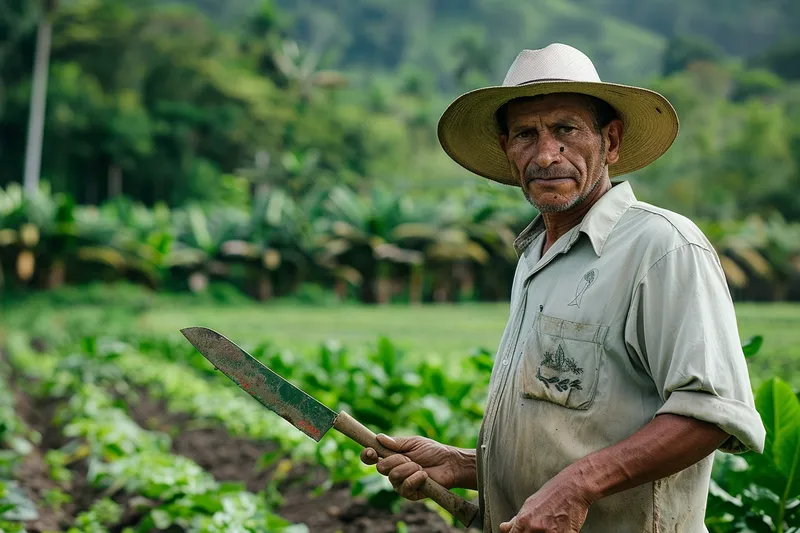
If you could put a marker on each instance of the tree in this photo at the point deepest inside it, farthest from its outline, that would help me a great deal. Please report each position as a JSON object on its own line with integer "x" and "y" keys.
{"x": 33, "y": 157}
{"x": 684, "y": 50}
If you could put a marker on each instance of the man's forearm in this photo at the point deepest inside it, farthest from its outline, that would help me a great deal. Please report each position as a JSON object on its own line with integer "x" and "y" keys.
{"x": 666, "y": 445}
{"x": 466, "y": 468}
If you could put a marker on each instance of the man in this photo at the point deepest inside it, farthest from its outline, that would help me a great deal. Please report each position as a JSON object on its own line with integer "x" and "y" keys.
{"x": 620, "y": 371}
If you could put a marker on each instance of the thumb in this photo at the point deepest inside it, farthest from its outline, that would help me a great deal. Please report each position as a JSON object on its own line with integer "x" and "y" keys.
{"x": 505, "y": 527}
{"x": 396, "y": 444}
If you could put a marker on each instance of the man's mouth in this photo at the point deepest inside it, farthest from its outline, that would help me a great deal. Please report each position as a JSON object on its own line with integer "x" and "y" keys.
{"x": 551, "y": 182}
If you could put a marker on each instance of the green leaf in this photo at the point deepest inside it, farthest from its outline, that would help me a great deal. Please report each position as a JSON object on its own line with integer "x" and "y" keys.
{"x": 161, "y": 519}
{"x": 20, "y": 445}
{"x": 17, "y": 505}
{"x": 199, "y": 225}
{"x": 752, "y": 345}
{"x": 779, "y": 409}
{"x": 787, "y": 458}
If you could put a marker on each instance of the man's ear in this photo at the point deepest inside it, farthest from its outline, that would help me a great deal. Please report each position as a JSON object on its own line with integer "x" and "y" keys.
{"x": 613, "y": 134}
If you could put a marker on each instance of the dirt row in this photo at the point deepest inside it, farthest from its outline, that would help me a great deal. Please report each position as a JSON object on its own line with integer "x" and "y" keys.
{"x": 226, "y": 457}
{"x": 230, "y": 458}
{"x": 34, "y": 474}
{"x": 35, "y": 477}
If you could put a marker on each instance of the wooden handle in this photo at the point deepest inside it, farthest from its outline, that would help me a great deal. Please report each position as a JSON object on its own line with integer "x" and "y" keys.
{"x": 464, "y": 511}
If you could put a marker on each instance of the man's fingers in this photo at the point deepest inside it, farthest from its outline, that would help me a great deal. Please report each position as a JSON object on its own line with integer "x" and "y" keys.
{"x": 369, "y": 456}
{"x": 506, "y": 527}
{"x": 410, "y": 487}
{"x": 399, "y": 474}
{"x": 389, "y": 463}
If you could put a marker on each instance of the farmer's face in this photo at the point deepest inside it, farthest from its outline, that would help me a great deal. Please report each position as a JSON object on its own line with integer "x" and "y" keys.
{"x": 555, "y": 150}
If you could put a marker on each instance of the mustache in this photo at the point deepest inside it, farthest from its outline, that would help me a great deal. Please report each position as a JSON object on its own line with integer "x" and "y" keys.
{"x": 532, "y": 172}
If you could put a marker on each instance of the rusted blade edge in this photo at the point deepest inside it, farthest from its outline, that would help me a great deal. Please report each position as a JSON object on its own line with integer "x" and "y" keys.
{"x": 301, "y": 410}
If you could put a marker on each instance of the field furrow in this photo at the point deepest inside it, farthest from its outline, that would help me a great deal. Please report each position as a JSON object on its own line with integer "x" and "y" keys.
{"x": 298, "y": 488}
{"x": 137, "y": 482}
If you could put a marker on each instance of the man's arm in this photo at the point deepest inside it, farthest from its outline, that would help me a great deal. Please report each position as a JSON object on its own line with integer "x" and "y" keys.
{"x": 665, "y": 446}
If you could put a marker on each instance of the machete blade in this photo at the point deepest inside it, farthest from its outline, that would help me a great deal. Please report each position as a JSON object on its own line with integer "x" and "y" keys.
{"x": 271, "y": 390}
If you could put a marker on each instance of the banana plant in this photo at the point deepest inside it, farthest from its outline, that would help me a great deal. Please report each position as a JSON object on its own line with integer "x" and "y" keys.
{"x": 133, "y": 240}
{"x": 457, "y": 240}
{"x": 358, "y": 232}
{"x": 205, "y": 243}
{"x": 275, "y": 248}
{"x": 37, "y": 233}
{"x": 765, "y": 249}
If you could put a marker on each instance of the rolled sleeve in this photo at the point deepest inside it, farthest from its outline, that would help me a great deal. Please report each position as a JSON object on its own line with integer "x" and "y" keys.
{"x": 682, "y": 326}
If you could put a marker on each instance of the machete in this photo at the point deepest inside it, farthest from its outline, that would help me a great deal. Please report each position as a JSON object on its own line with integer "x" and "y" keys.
{"x": 304, "y": 412}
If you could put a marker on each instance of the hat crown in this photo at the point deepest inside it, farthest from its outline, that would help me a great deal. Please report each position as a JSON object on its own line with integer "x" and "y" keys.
{"x": 554, "y": 62}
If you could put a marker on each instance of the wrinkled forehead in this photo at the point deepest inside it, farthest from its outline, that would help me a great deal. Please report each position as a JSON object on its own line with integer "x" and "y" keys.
{"x": 557, "y": 105}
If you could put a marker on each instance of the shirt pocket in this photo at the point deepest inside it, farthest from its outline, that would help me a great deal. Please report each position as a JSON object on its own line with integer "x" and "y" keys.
{"x": 561, "y": 362}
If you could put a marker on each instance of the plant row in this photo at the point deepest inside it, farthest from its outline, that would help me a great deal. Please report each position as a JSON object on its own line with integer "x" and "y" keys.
{"x": 373, "y": 246}
{"x": 167, "y": 490}
{"x": 16, "y": 441}
{"x": 380, "y": 387}
{"x": 399, "y": 395}
{"x": 396, "y": 394}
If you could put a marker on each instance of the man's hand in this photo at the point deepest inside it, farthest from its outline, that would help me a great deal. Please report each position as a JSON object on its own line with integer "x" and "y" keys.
{"x": 417, "y": 459}
{"x": 560, "y": 506}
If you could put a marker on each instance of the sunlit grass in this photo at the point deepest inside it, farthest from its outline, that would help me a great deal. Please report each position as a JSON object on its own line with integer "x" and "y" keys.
{"x": 446, "y": 332}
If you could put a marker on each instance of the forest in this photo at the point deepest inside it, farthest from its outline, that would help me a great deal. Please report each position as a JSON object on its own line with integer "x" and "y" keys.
{"x": 216, "y": 107}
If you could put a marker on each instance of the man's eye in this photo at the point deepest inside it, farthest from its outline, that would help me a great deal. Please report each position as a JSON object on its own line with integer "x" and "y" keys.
{"x": 564, "y": 129}
{"x": 524, "y": 134}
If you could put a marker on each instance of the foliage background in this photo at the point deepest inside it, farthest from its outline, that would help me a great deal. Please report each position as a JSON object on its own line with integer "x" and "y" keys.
{"x": 222, "y": 105}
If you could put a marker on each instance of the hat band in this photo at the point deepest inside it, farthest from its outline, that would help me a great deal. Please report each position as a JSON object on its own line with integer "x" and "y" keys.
{"x": 542, "y": 79}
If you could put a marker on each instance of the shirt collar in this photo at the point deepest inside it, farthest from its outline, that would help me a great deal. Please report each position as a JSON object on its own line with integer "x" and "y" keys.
{"x": 597, "y": 224}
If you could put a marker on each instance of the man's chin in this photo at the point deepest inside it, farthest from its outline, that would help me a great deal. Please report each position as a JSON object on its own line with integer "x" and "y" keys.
{"x": 549, "y": 206}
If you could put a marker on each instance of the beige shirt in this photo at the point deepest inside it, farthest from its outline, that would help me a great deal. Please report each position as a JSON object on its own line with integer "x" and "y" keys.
{"x": 625, "y": 317}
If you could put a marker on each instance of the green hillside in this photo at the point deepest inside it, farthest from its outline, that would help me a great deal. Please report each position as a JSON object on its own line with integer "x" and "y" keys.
{"x": 468, "y": 42}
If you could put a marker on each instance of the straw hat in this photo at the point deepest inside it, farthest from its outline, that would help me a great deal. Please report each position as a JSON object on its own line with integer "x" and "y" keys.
{"x": 468, "y": 129}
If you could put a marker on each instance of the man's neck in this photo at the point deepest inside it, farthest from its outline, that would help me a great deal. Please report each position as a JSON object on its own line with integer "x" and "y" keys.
{"x": 557, "y": 224}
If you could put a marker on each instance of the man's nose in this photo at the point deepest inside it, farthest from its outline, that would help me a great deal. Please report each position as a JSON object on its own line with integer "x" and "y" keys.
{"x": 547, "y": 151}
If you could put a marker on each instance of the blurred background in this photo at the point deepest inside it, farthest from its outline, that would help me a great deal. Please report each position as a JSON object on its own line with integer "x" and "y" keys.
{"x": 270, "y": 169}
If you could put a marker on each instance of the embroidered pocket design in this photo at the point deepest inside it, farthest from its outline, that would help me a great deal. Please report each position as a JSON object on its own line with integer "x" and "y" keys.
{"x": 562, "y": 362}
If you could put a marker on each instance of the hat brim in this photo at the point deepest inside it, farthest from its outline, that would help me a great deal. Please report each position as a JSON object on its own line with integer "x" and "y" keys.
{"x": 469, "y": 134}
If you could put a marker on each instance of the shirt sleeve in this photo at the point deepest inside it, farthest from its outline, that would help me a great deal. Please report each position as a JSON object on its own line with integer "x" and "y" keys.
{"x": 682, "y": 327}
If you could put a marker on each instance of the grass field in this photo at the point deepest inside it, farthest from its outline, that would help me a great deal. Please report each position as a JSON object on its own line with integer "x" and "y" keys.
{"x": 443, "y": 331}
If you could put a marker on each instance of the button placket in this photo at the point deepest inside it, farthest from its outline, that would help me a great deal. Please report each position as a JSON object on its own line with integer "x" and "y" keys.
{"x": 493, "y": 404}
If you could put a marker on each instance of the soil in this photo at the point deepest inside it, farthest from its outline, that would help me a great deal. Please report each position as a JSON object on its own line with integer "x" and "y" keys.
{"x": 226, "y": 457}
{"x": 34, "y": 473}
{"x": 230, "y": 458}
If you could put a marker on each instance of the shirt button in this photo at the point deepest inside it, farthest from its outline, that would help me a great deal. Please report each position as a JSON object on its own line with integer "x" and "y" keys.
{"x": 505, "y": 361}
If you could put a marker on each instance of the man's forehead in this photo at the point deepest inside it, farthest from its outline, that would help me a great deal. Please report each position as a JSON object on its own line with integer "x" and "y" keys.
{"x": 559, "y": 104}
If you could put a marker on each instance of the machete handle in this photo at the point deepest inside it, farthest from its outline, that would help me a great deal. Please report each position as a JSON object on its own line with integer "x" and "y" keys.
{"x": 464, "y": 511}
